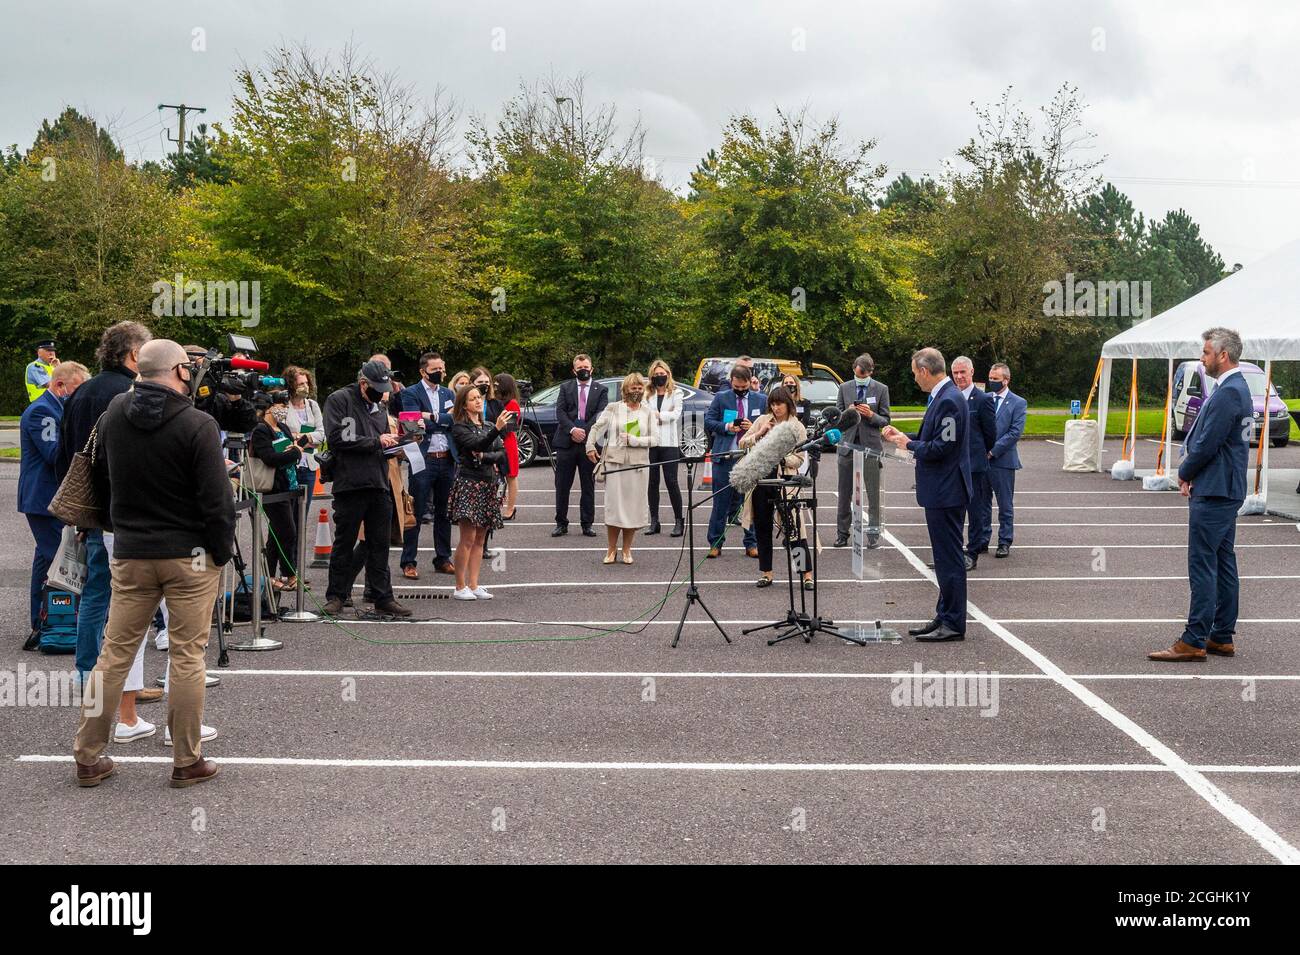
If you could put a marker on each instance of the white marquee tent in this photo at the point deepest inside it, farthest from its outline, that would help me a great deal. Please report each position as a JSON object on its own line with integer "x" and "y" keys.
{"x": 1262, "y": 302}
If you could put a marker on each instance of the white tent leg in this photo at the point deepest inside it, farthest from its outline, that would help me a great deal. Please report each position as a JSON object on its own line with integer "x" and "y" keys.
{"x": 1103, "y": 405}
{"x": 1265, "y": 430}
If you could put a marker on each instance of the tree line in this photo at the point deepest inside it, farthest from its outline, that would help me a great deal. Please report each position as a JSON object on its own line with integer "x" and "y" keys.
{"x": 369, "y": 223}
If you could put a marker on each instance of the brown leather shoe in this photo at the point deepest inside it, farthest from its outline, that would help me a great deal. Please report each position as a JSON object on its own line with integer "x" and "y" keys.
{"x": 410, "y": 573}
{"x": 715, "y": 551}
{"x": 751, "y": 552}
{"x": 446, "y": 567}
{"x": 198, "y": 772}
{"x": 94, "y": 775}
{"x": 1179, "y": 653}
{"x": 149, "y": 695}
{"x": 1220, "y": 649}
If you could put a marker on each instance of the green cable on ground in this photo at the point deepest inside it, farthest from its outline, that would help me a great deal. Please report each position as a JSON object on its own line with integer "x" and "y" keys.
{"x": 561, "y": 638}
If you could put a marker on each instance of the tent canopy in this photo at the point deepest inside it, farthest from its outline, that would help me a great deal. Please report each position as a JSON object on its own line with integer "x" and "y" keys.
{"x": 1261, "y": 302}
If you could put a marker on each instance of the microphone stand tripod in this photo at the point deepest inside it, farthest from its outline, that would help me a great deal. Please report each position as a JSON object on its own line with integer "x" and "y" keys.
{"x": 693, "y": 595}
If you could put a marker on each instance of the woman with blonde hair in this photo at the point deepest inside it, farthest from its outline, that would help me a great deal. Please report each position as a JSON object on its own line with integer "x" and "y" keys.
{"x": 666, "y": 407}
{"x": 458, "y": 381}
{"x": 626, "y": 430}
{"x": 760, "y": 509}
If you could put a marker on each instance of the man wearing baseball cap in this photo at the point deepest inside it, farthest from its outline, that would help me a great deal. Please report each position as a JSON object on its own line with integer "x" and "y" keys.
{"x": 357, "y": 435}
{"x": 39, "y": 371}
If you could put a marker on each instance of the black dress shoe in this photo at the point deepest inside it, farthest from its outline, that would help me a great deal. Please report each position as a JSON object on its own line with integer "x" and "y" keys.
{"x": 560, "y": 530}
{"x": 841, "y": 541}
{"x": 971, "y": 561}
{"x": 588, "y": 532}
{"x": 653, "y": 528}
{"x": 941, "y": 635}
{"x": 33, "y": 641}
{"x": 679, "y": 528}
{"x": 924, "y": 628}
{"x": 873, "y": 541}
{"x": 1004, "y": 550}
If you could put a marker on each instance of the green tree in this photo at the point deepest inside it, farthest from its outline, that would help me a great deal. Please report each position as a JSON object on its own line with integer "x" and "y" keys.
{"x": 799, "y": 260}
{"x": 340, "y": 204}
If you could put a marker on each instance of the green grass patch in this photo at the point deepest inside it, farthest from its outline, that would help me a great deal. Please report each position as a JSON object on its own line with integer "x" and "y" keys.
{"x": 10, "y": 453}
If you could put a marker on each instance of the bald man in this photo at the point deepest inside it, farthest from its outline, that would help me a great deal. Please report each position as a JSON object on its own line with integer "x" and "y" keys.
{"x": 174, "y": 527}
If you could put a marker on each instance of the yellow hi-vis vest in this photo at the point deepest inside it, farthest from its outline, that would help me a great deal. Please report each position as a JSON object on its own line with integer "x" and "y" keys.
{"x": 38, "y": 379}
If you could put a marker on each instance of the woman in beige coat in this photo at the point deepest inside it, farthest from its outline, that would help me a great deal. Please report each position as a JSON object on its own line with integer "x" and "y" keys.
{"x": 625, "y": 430}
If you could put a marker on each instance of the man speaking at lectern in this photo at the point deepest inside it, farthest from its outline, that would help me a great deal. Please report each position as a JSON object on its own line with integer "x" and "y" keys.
{"x": 943, "y": 489}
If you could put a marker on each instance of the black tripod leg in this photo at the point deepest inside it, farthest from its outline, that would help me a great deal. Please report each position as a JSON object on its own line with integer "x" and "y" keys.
{"x": 686, "y": 608}
{"x": 713, "y": 618}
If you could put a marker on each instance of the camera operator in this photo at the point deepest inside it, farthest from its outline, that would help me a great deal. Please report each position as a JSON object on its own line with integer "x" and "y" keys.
{"x": 275, "y": 472}
{"x": 227, "y": 398}
{"x": 356, "y": 432}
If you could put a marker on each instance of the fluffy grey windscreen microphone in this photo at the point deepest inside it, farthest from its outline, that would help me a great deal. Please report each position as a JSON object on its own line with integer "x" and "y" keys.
{"x": 764, "y": 456}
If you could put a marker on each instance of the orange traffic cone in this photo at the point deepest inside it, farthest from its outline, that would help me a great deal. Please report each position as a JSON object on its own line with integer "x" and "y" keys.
{"x": 706, "y": 479}
{"x": 324, "y": 541}
{"x": 319, "y": 489}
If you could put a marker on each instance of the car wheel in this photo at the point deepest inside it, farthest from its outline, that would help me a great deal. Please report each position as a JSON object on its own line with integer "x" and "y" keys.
{"x": 527, "y": 447}
{"x": 1179, "y": 434}
{"x": 1281, "y": 442}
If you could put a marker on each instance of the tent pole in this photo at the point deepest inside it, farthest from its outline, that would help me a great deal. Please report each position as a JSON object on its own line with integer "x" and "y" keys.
{"x": 1169, "y": 424}
{"x": 1261, "y": 472}
{"x": 1103, "y": 406}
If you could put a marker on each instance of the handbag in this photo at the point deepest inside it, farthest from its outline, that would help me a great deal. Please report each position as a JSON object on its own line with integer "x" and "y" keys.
{"x": 68, "y": 570}
{"x": 76, "y": 502}
{"x": 261, "y": 477}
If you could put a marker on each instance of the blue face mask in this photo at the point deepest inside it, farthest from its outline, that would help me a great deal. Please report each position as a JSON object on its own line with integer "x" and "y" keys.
{"x": 993, "y": 387}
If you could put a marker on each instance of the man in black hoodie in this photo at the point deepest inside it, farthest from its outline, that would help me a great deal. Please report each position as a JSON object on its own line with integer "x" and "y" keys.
{"x": 160, "y": 469}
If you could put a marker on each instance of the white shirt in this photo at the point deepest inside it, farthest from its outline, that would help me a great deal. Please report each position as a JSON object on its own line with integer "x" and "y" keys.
{"x": 437, "y": 442}
{"x": 935, "y": 390}
{"x": 967, "y": 390}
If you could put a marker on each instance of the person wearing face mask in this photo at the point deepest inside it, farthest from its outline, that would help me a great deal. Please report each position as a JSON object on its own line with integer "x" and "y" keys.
{"x": 870, "y": 398}
{"x": 507, "y": 391}
{"x": 305, "y": 420}
{"x": 731, "y": 413}
{"x": 482, "y": 379}
{"x": 578, "y": 405}
{"x": 431, "y": 487}
{"x": 274, "y": 471}
{"x": 623, "y": 435}
{"x": 357, "y": 432}
{"x": 665, "y": 402}
{"x": 160, "y": 474}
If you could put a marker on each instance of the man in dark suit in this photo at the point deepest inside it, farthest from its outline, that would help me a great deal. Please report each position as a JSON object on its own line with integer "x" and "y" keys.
{"x": 577, "y": 407}
{"x": 431, "y": 488}
{"x": 730, "y": 415}
{"x": 1213, "y": 476}
{"x": 37, "y": 484}
{"x": 871, "y": 400}
{"x": 1009, "y": 413}
{"x": 983, "y": 433}
{"x": 943, "y": 488}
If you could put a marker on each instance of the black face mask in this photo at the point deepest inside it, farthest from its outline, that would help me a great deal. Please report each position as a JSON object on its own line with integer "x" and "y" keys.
{"x": 372, "y": 395}
{"x": 584, "y": 374}
{"x": 659, "y": 381}
{"x": 482, "y": 390}
{"x": 993, "y": 386}
{"x": 740, "y": 392}
{"x": 434, "y": 377}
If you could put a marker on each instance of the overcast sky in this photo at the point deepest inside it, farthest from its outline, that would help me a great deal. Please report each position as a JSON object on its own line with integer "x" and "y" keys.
{"x": 1194, "y": 104}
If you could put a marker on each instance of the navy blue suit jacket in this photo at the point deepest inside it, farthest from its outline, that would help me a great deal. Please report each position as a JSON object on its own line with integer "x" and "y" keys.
{"x": 942, "y": 451}
{"x": 725, "y": 400}
{"x": 566, "y": 410}
{"x": 39, "y": 440}
{"x": 1009, "y": 420}
{"x": 983, "y": 429}
{"x": 415, "y": 398}
{"x": 1217, "y": 450}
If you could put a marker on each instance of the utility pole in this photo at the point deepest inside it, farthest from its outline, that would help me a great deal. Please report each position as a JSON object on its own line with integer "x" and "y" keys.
{"x": 181, "y": 110}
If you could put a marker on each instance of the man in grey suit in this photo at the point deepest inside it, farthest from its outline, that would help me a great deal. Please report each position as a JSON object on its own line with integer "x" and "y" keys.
{"x": 871, "y": 400}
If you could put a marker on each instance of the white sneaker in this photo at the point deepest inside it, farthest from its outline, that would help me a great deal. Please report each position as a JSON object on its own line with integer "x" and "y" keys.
{"x": 206, "y": 734}
{"x": 126, "y": 734}
{"x": 160, "y": 641}
{"x": 463, "y": 594}
{"x": 481, "y": 593}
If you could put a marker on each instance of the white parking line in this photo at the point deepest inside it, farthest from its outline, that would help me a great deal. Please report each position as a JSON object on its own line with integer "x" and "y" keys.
{"x": 727, "y": 675}
{"x": 705, "y": 622}
{"x": 1231, "y": 810}
{"x": 694, "y": 767}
